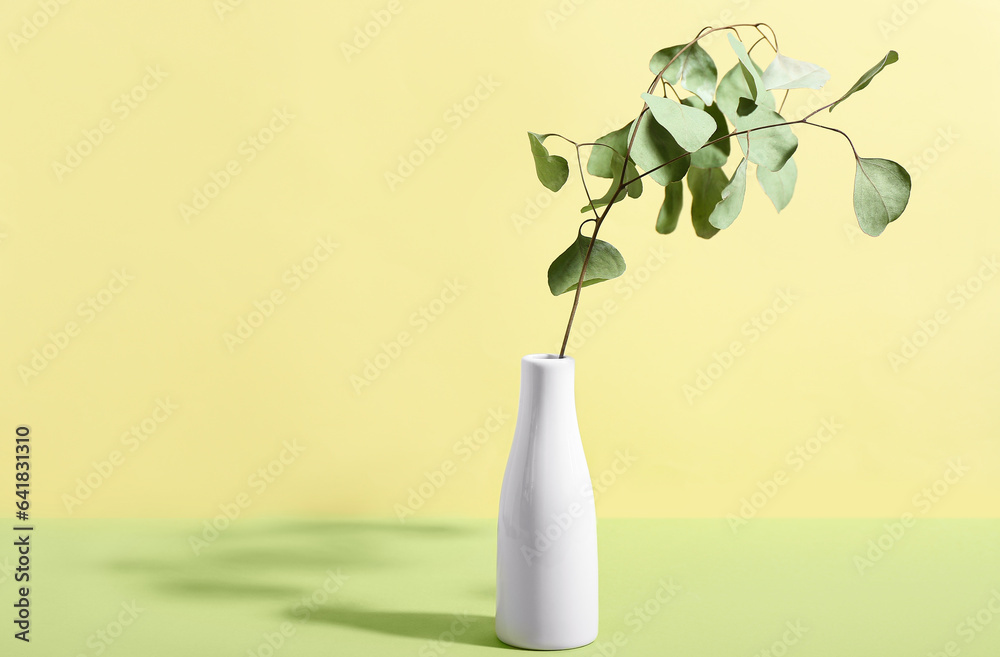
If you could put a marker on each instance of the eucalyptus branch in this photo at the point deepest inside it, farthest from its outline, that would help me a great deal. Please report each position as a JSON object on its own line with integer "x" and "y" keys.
{"x": 735, "y": 133}
{"x": 628, "y": 152}
{"x": 583, "y": 269}
{"x": 882, "y": 187}
{"x": 704, "y": 32}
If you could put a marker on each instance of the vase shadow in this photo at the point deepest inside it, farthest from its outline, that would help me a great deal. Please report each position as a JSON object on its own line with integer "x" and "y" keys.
{"x": 469, "y": 629}
{"x": 264, "y": 561}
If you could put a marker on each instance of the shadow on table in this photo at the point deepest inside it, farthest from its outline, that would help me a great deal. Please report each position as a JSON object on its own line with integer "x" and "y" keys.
{"x": 468, "y": 629}
{"x": 267, "y": 561}
{"x": 246, "y": 561}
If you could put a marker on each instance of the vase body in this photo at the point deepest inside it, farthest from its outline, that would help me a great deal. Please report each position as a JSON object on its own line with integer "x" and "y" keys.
{"x": 547, "y": 525}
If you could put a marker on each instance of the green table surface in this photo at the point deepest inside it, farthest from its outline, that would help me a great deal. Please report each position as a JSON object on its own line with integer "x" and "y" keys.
{"x": 292, "y": 587}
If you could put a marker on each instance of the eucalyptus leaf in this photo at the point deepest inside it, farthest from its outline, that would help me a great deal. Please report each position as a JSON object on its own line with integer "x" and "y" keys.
{"x": 769, "y": 147}
{"x": 605, "y": 200}
{"x": 787, "y": 73}
{"x": 599, "y": 163}
{"x": 713, "y": 155}
{"x": 693, "y": 67}
{"x": 751, "y": 73}
{"x": 552, "y": 170}
{"x": 779, "y": 185}
{"x": 689, "y": 126}
{"x": 881, "y": 192}
{"x": 653, "y": 146}
{"x": 670, "y": 210}
{"x": 633, "y": 190}
{"x": 706, "y": 187}
{"x": 605, "y": 264}
{"x": 728, "y": 208}
{"x": 732, "y": 87}
{"x": 891, "y": 57}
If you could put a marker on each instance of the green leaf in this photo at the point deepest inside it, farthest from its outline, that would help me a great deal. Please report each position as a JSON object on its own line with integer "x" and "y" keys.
{"x": 717, "y": 154}
{"x": 787, "y": 73}
{"x": 689, "y": 126}
{"x": 653, "y": 146}
{"x": 605, "y": 263}
{"x": 633, "y": 190}
{"x": 770, "y": 147}
{"x": 599, "y": 163}
{"x": 881, "y": 192}
{"x": 670, "y": 211}
{"x": 732, "y": 87}
{"x": 891, "y": 57}
{"x": 604, "y": 200}
{"x": 729, "y": 206}
{"x": 552, "y": 170}
{"x": 693, "y": 67}
{"x": 706, "y": 187}
{"x": 751, "y": 73}
{"x": 779, "y": 185}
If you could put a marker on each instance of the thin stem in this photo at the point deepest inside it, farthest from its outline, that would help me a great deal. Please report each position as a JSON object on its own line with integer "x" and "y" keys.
{"x": 556, "y": 134}
{"x": 815, "y": 112}
{"x": 826, "y": 127}
{"x": 579, "y": 163}
{"x": 667, "y": 84}
{"x": 585, "y": 143}
{"x": 782, "y": 105}
{"x": 583, "y": 270}
{"x": 754, "y": 45}
{"x": 773, "y": 33}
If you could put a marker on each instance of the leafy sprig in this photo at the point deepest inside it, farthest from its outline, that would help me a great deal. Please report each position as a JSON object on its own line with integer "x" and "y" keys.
{"x": 690, "y": 137}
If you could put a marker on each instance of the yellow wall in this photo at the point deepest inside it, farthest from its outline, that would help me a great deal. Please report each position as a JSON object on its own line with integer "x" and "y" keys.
{"x": 310, "y": 217}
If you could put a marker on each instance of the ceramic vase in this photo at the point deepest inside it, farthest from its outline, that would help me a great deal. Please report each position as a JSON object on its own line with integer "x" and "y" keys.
{"x": 547, "y": 526}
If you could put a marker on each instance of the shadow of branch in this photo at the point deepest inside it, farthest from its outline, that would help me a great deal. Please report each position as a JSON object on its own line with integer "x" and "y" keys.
{"x": 469, "y": 629}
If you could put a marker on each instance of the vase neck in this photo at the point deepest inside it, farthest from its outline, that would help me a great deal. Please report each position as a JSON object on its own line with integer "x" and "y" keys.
{"x": 547, "y": 379}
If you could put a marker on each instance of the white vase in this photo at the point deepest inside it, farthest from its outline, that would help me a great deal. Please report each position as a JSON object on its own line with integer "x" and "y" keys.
{"x": 547, "y": 527}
